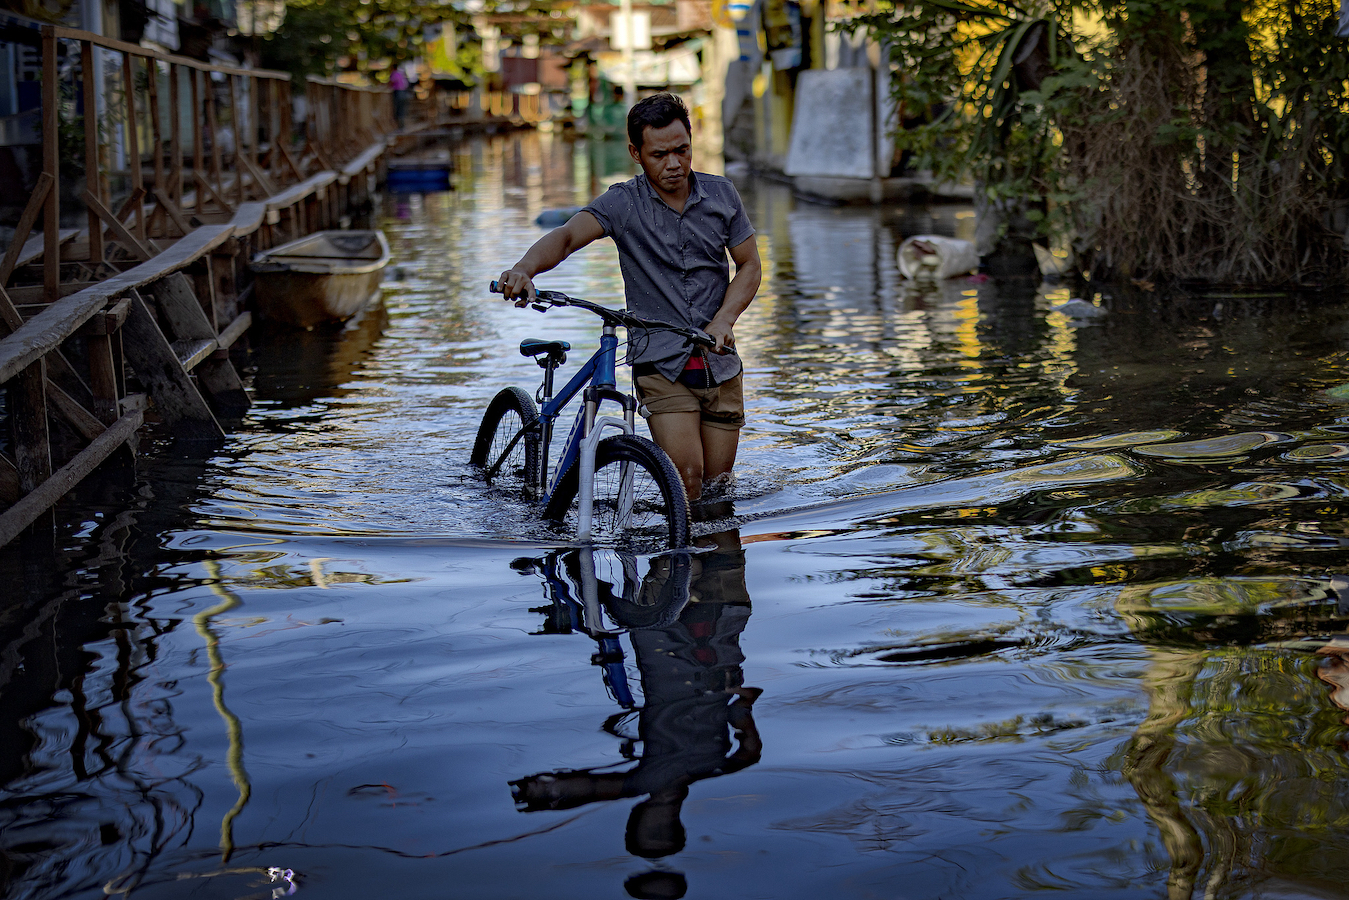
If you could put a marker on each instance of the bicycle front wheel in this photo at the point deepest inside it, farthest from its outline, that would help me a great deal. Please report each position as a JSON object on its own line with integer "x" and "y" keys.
{"x": 507, "y": 446}
{"x": 639, "y": 497}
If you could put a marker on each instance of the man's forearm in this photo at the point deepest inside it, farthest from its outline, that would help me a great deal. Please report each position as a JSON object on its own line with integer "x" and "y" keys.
{"x": 547, "y": 253}
{"x": 740, "y": 293}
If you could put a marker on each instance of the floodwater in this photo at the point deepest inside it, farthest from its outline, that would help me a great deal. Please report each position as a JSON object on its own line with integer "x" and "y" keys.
{"x": 1002, "y": 604}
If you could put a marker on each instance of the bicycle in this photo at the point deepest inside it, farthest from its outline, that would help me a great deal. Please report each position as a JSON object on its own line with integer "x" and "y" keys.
{"x": 620, "y": 488}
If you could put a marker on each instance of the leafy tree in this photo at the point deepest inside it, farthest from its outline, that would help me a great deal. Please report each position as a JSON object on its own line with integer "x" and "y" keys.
{"x": 318, "y": 36}
{"x": 1168, "y": 139}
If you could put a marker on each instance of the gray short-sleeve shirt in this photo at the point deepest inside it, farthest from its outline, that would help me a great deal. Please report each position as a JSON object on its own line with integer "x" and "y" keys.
{"x": 674, "y": 265}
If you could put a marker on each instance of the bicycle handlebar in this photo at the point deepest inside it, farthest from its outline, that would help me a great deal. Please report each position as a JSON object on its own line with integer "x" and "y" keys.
{"x": 546, "y": 300}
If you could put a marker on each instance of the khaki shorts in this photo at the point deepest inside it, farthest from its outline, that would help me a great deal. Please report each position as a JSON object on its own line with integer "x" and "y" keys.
{"x": 722, "y": 406}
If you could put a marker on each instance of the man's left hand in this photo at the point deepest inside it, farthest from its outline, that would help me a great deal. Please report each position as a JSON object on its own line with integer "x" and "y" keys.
{"x": 723, "y": 335}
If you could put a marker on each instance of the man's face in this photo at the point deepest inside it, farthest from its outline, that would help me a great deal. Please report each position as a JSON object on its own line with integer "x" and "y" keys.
{"x": 666, "y": 156}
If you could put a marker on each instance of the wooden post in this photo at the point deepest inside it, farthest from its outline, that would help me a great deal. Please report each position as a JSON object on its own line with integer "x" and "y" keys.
{"x": 36, "y": 205}
{"x": 133, "y": 147}
{"x": 274, "y": 132}
{"x": 212, "y": 123}
{"x": 239, "y": 196}
{"x": 160, "y": 370}
{"x": 253, "y": 122}
{"x": 198, "y": 148}
{"x": 287, "y": 130}
{"x": 103, "y": 377}
{"x": 175, "y": 187}
{"x": 156, "y": 132}
{"x": 28, "y": 417}
{"x": 51, "y": 165}
{"x": 93, "y": 180}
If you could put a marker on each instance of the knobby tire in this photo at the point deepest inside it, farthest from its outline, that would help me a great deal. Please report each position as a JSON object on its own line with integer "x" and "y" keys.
{"x": 510, "y": 411}
{"x": 660, "y": 514}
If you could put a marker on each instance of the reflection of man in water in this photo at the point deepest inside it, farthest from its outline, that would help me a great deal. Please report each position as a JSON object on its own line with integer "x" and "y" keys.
{"x": 695, "y": 700}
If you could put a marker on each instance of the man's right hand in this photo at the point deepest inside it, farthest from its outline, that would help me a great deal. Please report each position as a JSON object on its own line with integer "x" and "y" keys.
{"x": 516, "y": 285}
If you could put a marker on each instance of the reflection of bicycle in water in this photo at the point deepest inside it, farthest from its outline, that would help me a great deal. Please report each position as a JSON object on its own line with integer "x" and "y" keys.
{"x": 684, "y": 620}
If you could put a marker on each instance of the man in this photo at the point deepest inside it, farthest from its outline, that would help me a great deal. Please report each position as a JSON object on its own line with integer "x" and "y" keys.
{"x": 673, "y": 228}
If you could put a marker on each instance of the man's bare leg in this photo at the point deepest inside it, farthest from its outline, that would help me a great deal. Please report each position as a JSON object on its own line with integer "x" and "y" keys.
{"x": 699, "y": 452}
{"x": 719, "y": 449}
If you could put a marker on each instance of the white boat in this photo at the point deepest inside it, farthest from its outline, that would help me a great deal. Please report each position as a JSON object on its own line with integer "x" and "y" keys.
{"x": 328, "y": 276}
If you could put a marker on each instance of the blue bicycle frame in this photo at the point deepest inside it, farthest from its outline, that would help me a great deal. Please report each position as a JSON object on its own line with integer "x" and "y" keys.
{"x": 599, "y": 380}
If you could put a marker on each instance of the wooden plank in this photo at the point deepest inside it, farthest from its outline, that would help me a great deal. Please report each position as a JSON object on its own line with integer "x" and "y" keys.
{"x": 235, "y": 330}
{"x": 180, "y": 310}
{"x": 248, "y": 218}
{"x": 9, "y": 481}
{"x": 204, "y": 185}
{"x": 24, "y": 513}
{"x": 195, "y": 340}
{"x": 35, "y": 246}
{"x": 262, "y": 181}
{"x": 292, "y": 195}
{"x": 74, "y": 34}
{"x": 60, "y": 372}
{"x": 14, "y": 255}
{"x": 83, "y": 421}
{"x": 176, "y": 398}
{"x": 290, "y": 161}
{"x": 192, "y": 352}
{"x": 165, "y": 202}
{"x": 47, "y": 330}
{"x": 28, "y": 421}
{"x": 28, "y": 297}
{"x": 365, "y": 159}
{"x": 123, "y": 234}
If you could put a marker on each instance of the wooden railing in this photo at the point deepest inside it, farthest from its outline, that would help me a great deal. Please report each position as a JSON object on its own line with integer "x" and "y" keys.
{"x": 187, "y": 168}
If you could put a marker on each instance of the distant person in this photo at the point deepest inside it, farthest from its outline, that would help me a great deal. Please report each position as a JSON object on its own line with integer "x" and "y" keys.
{"x": 673, "y": 228}
{"x": 399, "y": 83}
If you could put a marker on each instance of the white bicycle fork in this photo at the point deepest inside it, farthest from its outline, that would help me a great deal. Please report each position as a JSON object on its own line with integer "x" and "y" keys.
{"x": 585, "y": 494}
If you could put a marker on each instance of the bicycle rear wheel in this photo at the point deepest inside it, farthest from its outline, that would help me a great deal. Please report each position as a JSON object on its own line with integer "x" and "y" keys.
{"x": 639, "y": 497}
{"x": 507, "y": 446}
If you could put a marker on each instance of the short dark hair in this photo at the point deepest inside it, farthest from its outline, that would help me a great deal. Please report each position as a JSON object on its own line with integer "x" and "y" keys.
{"x": 656, "y": 111}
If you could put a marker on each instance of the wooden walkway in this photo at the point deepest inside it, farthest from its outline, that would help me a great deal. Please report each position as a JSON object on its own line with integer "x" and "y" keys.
{"x": 151, "y": 292}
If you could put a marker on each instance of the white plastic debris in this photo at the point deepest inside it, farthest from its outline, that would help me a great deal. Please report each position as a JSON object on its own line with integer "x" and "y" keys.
{"x": 934, "y": 257}
{"x": 1052, "y": 263}
{"x": 1077, "y": 308}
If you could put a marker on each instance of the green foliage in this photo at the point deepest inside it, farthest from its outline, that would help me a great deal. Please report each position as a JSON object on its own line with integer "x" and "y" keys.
{"x": 1168, "y": 139}
{"x": 361, "y": 35}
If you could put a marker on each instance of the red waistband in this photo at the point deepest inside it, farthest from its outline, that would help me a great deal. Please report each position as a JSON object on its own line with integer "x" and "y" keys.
{"x": 695, "y": 362}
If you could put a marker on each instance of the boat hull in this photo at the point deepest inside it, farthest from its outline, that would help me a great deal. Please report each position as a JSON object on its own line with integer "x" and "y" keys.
{"x": 312, "y": 282}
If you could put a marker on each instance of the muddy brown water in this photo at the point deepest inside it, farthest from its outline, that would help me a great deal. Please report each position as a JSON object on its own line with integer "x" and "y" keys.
{"x": 1003, "y": 604}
